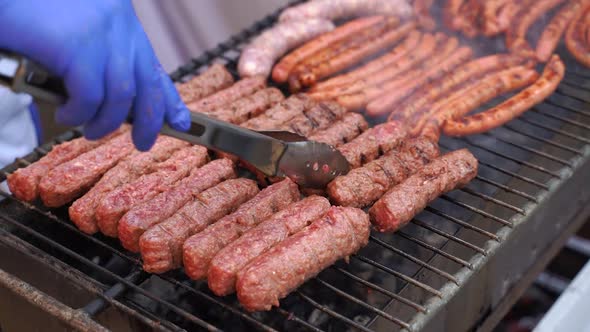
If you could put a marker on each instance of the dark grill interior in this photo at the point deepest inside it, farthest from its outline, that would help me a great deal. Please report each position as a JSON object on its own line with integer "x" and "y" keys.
{"x": 385, "y": 285}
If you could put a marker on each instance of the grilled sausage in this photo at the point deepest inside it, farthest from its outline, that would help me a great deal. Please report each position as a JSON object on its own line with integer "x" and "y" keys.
{"x": 199, "y": 249}
{"x": 161, "y": 244}
{"x": 372, "y": 143}
{"x": 507, "y": 14}
{"x": 82, "y": 211}
{"x": 472, "y": 96}
{"x": 242, "y": 88}
{"x": 513, "y": 107}
{"x": 516, "y": 35}
{"x": 235, "y": 256}
{"x": 117, "y": 202}
{"x": 364, "y": 185}
{"x": 354, "y": 55}
{"x": 411, "y": 83}
{"x": 491, "y": 12}
{"x": 304, "y": 69}
{"x": 282, "y": 112}
{"x": 143, "y": 216}
{"x": 71, "y": 179}
{"x": 259, "y": 56}
{"x": 388, "y": 72}
{"x": 249, "y": 106}
{"x": 283, "y": 68}
{"x": 555, "y": 29}
{"x": 359, "y": 100}
{"x": 452, "y": 14}
{"x": 401, "y": 203}
{"x": 332, "y": 10}
{"x": 343, "y": 131}
{"x": 422, "y": 13}
{"x": 318, "y": 117}
{"x": 400, "y": 57}
{"x": 213, "y": 79}
{"x": 24, "y": 182}
{"x": 416, "y": 103}
{"x": 574, "y": 39}
{"x": 338, "y": 234}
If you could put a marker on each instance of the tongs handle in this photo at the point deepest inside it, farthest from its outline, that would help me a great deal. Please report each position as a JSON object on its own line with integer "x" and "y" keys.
{"x": 247, "y": 145}
{"x": 23, "y": 75}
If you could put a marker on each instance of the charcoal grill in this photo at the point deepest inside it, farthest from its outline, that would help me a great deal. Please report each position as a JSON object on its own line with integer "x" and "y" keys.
{"x": 458, "y": 266}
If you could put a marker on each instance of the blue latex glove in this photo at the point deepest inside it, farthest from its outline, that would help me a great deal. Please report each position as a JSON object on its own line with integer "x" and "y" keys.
{"x": 106, "y": 61}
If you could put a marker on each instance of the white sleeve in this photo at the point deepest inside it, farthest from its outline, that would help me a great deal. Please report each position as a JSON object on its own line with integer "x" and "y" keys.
{"x": 17, "y": 130}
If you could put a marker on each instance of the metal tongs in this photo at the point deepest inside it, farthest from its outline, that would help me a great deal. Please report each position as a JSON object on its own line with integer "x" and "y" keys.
{"x": 274, "y": 153}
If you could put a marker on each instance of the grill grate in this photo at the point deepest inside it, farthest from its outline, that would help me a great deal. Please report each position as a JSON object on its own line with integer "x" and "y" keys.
{"x": 398, "y": 281}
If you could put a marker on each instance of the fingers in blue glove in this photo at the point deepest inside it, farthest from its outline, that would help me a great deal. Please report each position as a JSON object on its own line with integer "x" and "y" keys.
{"x": 177, "y": 114}
{"x": 84, "y": 81}
{"x": 150, "y": 101}
{"x": 120, "y": 90}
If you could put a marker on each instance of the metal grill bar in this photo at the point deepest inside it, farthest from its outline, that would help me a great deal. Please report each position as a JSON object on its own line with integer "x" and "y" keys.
{"x": 290, "y": 316}
{"x": 110, "y": 274}
{"x": 573, "y": 93}
{"x": 541, "y": 139}
{"x": 363, "y": 304}
{"x": 506, "y": 188}
{"x": 526, "y": 119}
{"x": 514, "y": 159}
{"x": 434, "y": 249}
{"x": 560, "y": 118}
{"x": 413, "y": 259}
{"x": 462, "y": 223}
{"x": 476, "y": 210}
{"x": 449, "y": 236}
{"x": 398, "y": 275}
{"x": 381, "y": 290}
{"x": 531, "y": 150}
{"x": 493, "y": 200}
{"x": 566, "y": 106}
{"x": 332, "y": 312}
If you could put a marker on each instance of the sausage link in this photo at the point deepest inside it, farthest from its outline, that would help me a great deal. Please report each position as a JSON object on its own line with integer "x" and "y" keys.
{"x": 473, "y": 95}
{"x": 213, "y": 79}
{"x": 400, "y": 54}
{"x": 513, "y": 107}
{"x": 574, "y": 39}
{"x": 234, "y": 257}
{"x": 355, "y": 55}
{"x": 242, "y": 88}
{"x": 516, "y": 36}
{"x": 283, "y": 68}
{"x": 402, "y": 202}
{"x": 408, "y": 85}
{"x": 24, "y": 182}
{"x": 471, "y": 70}
{"x": 343, "y": 131}
{"x": 386, "y": 73}
{"x": 274, "y": 274}
{"x": 250, "y": 106}
{"x": 259, "y": 56}
{"x": 555, "y": 29}
{"x": 333, "y": 10}
{"x": 199, "y": 249}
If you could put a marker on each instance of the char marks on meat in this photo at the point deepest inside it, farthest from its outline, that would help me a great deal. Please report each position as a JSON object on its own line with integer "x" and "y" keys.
{"x": 116, "y": 203}
{"x": 402, "y": 202}
{"x": 161, "y": 244}
{"x": 364, "y": 185}
{"x": 213, "y": 79}
{"x": 274, "y": 274}
{"x": 82, "y": 211}
{"x": 343, "y": 131}
{"x": 71, "y": 179}
{"x": 282, "y": 112}
{"x": 199, "y": 249}
{"x": 144, "y": 215}
{"x": 24, "y": 182}
{"x": 231, "y": 259}
{"x": 373, "y": 142}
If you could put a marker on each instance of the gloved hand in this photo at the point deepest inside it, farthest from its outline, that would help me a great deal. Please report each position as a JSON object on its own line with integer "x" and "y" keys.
{"x": 105, "y": 59}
